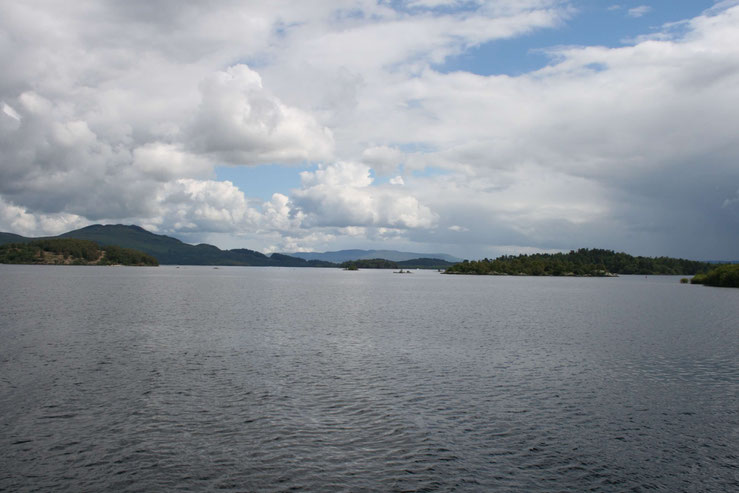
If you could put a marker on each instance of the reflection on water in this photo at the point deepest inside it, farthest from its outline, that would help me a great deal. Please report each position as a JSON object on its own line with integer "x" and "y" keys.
{"x": 275, "y": 379}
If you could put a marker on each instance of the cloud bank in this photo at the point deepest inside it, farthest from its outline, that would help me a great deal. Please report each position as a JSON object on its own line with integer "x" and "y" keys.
{"x": 122, "y": 112}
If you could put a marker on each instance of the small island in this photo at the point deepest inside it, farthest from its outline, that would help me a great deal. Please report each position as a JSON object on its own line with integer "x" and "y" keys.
{"x": 374, "y": 263}
{"x": 72, "y": 252}
{"x": 381, "y": 263}
{"x": 723, "y": 276}
{"x": 582, "y": 263}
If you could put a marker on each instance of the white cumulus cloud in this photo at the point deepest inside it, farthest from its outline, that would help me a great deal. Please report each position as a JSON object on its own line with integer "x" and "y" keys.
{"x": 342, "y": 195}
{"x": 240, "y": 122}
{"x": 204, "y": 205}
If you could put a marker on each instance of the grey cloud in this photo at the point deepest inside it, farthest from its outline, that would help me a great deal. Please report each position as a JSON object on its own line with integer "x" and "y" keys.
{"x": 53, "y": 162}
{"x": 383, "y": 159}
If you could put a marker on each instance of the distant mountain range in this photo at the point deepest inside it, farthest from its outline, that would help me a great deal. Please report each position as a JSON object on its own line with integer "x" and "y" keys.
{"x": 168, "y": 250}
{"x": 341, "y": 256}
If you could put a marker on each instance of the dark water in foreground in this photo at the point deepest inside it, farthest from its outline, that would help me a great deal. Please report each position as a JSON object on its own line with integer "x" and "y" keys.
{"x": 265, "y": 379}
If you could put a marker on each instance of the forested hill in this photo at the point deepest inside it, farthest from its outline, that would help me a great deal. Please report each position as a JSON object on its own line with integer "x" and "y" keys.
{"x": 67, "y": 251}
{"x": 168, "y": 250}
{"x": 583, "y": 262}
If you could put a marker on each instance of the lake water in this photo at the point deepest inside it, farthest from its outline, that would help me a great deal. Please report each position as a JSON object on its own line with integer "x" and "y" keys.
{"x": 270, "y": 379}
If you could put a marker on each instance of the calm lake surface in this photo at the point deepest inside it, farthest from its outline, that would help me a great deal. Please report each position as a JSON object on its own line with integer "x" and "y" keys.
{"x": 270, "y": 379}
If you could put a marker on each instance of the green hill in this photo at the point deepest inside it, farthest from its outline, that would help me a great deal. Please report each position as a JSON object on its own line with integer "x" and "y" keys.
{"x": 69, "y": 251}
{"x": 168, "y": 250}
{"x": 583, "y": 262}
{"x": 160, "y": 246}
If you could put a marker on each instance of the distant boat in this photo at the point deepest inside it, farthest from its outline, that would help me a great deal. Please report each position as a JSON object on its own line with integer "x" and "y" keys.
{"x": 401, "y": 271}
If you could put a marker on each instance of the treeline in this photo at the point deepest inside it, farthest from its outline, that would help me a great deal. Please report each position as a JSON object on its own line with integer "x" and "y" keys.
{"x": 115, "y": 255}
{"x": 381, "y": 263}
{"x": 583, "y": 262}
{"x": 724, "y": 276}
{"x": 281, "y": 260}
{"x": 425, "y": 263}
{"x": 71, "y": 251}
{"x": 372, "y": 263}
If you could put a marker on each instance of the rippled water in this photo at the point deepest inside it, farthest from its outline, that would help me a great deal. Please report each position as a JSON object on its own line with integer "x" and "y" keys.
{"x": 267, "y": 379}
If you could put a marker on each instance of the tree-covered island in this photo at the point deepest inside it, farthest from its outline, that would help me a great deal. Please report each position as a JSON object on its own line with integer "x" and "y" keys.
{"x": 583, "y": 262}
{"x": 381, "y": 263}
{"x": 723, "y": 276}
{"x": 72, "y": 252}
{"x": 372, "y": 263}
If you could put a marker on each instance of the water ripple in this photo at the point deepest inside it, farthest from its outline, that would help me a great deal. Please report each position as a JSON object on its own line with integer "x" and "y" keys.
{"x": 284, "y": 380}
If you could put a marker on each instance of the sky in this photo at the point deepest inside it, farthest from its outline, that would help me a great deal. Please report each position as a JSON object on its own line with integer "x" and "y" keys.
{"x": 471, "y": 127}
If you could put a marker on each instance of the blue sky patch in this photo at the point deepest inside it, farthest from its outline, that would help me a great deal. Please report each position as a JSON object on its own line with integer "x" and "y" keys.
{"x": 262, "y": 181}
{"x": 610, "y": 24}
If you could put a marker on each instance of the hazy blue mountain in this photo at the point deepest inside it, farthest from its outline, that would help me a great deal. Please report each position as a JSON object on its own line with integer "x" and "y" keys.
{"x": 347, "y": 255}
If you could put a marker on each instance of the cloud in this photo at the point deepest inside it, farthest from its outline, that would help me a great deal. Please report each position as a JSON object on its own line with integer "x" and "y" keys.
{"x": 383, "y": 159}
{"x": 342, "y": 195}
{"x": 164, "y": 162}
{"x": 109, "y": 107}
{"x": 729, "y": 202}
{"x": 20, "y": 221}
{"x": 9, "y": 111}
{"x": 120, "y": 112}
{"x": 639, "y": 11}
{"x": 279, "y": 214}
{"x": 204, "y": 205}
{"x": 640, "y": 126}
{"x": 238, "y": 121}
{"x": 54, "y": 162}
